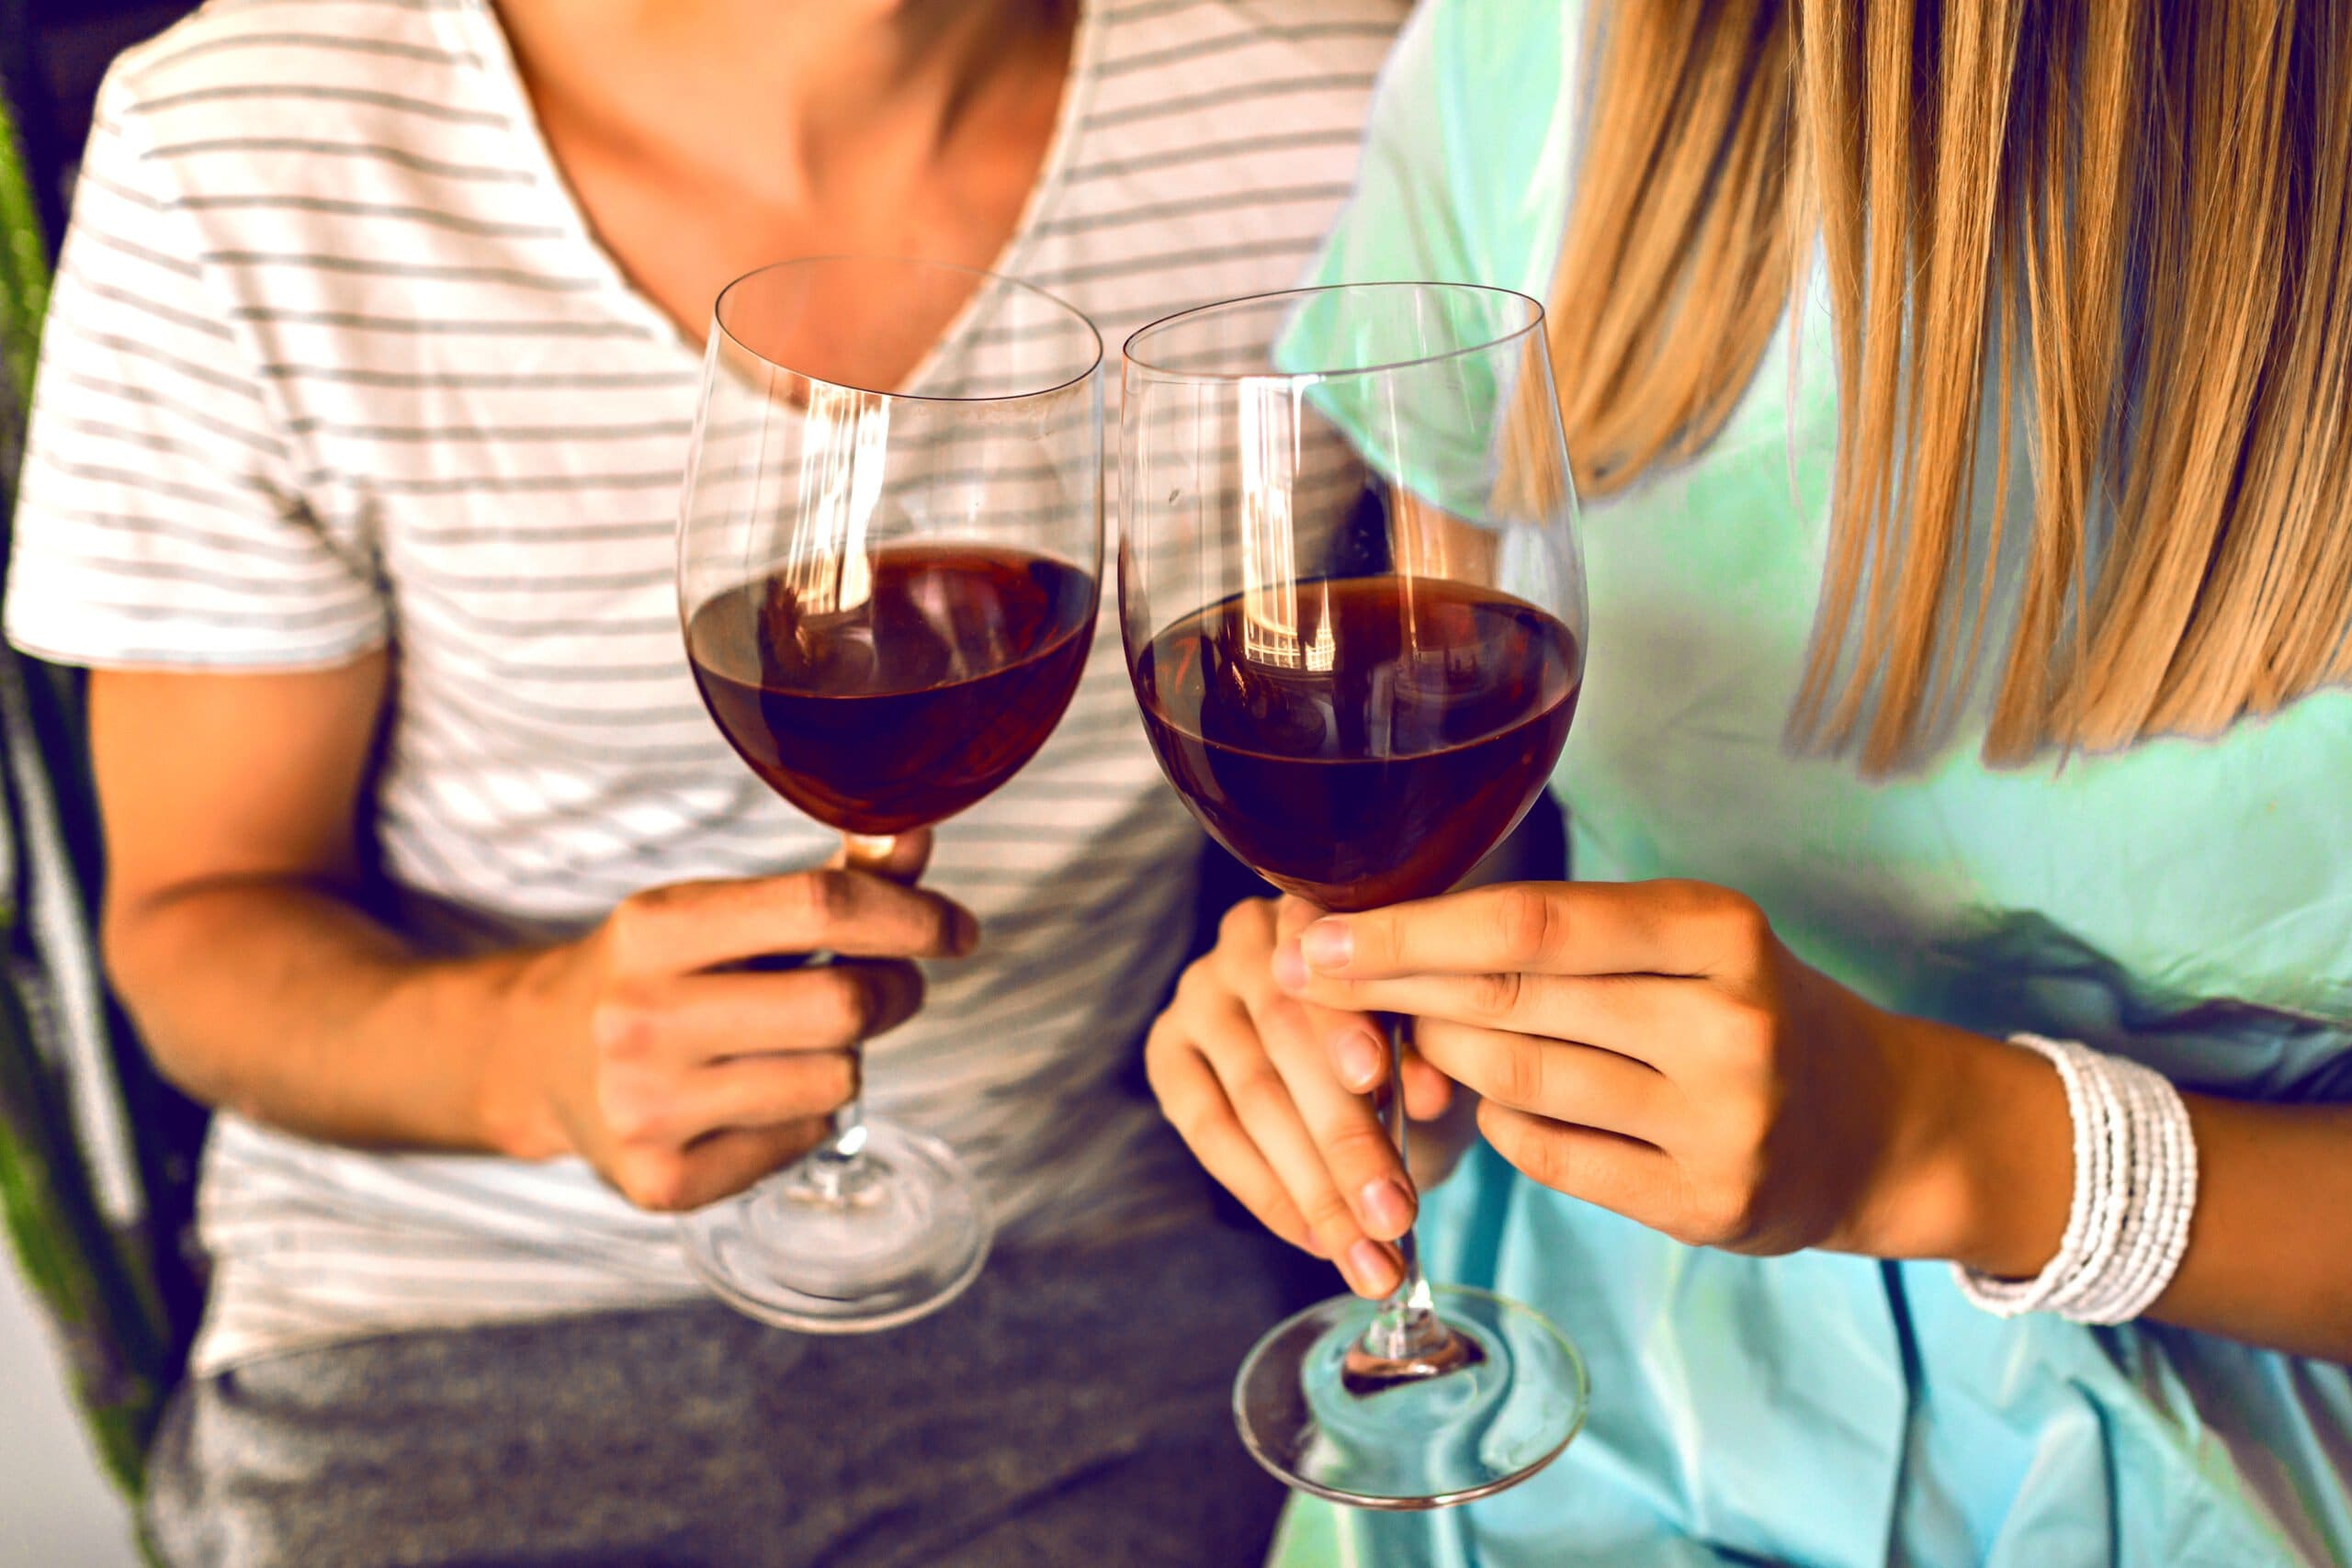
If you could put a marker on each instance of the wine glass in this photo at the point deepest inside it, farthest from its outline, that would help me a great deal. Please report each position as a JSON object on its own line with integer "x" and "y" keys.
{"x": 1354, "y": 608}
{"x": 888, "y": 599}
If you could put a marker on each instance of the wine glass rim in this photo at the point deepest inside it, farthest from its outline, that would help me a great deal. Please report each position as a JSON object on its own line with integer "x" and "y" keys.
{"x": 1535, "y": 323}
{"x": 720, "y": 330}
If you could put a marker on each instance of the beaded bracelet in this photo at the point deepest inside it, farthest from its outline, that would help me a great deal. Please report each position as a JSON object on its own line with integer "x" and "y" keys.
{"x": 2135, "y": 1189}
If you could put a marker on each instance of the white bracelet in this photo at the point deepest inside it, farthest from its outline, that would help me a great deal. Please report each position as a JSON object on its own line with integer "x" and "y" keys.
{"x": 2135, "y": 1189}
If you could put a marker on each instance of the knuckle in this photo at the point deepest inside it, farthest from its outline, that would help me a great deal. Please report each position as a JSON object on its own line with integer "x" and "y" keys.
{"x": 1326, "y": 1213}
{"x": 1246, "y": 924}
{"x": 1225, "y": 1034}
{"x": 822, "y": 897}
{"x": 1540, "y": 1152}
{"x": 621, "y": 1029}
{"x": 1547, "y": 1159}
{"x": 852, "y": 1004}
{"x": 1746, "y": 1035}
{"x": 1731, "y": 1215}
{"x": 659, "y": 1183}
{"x": 1519, "y": 1073}
{"x": 632, "y": 1108}
{"x": 1257, "y": 1091}
{"x": 1496, "y": 996}
{"x": 631, "y": 1118}
{"x": 1185, "y": 1101}
{"x": 1357, "y": 1147}
{"x": 628, "y": 929}
{"x": 1740, "y": 919}
{"x": 1196, "y": 1117}
{"x": 1524, "y": 921}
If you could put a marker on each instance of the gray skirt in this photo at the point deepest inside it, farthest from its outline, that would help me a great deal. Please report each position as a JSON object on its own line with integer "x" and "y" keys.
{"x": 1073, "y": 1408}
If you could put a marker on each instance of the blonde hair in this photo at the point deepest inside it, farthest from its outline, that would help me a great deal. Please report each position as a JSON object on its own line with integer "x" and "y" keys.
{"x": 2124, "y": 222}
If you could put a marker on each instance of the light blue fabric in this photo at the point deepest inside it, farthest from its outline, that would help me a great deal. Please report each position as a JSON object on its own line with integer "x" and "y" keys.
{"x": 2189, "y": 904}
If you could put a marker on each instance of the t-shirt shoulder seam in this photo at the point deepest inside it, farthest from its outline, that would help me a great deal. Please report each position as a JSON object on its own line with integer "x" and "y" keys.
{"x": 210, "y": 28}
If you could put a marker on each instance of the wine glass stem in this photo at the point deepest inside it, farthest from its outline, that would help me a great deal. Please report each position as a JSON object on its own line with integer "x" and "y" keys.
{"x": 1407, "y": 1328}
{"x": 837, "y": 1167}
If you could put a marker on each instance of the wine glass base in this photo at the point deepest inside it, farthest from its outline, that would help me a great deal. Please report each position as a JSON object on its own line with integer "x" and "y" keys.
{"x": 1431, "y": 1442}
{"x": 905, "y": 1236}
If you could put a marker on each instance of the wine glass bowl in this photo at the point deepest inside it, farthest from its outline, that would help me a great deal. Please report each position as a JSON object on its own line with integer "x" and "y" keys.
{"x": 1352, "y": 798}
{"x": 1352, "y": 603}
{"x": 914, "y": 701}
{"x": 889, "y": 577}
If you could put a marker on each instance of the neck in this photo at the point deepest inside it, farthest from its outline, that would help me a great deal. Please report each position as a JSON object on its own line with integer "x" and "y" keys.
{"x": 795, "y": 84}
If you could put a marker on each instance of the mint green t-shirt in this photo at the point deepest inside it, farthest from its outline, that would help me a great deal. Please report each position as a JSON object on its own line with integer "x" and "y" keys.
{"x": 2186, "y": 903}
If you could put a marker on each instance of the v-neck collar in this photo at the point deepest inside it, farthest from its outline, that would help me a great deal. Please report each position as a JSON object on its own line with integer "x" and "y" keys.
{"x": 475, "y": 24}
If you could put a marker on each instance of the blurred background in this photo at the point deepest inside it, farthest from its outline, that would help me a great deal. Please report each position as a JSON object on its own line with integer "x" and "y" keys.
{"x": 55, "y": 51}
{"x": 61, "y": 1505}
{"x": 56, "y": 1510}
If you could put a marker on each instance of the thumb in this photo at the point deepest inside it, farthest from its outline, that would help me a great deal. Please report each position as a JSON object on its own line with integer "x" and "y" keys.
{"x": 895, "y": 857}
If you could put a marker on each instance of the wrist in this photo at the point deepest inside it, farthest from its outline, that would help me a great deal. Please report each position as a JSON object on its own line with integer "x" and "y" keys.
{"x": 1982, "y": 1161}
{"x": 2009, "y": 1156}
{"x": 513, "y": 1112}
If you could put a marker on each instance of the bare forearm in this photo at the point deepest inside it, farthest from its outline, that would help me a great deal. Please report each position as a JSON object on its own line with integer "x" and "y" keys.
{"x": 2269, "y": 1258}
{"x": 2269, "y": 1255}
{"x": 286, "y": 1004}
{"x": 262, "y": 986}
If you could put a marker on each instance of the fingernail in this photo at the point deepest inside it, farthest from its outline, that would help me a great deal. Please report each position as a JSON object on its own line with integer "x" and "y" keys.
{"x": 965, "y": 931}
{"x": 1387, "y": 1208}
{"x": 1357, "y": 1055}
{"x": 1370, "y": 1268}
{"x": 1327, "y": 944}
{"x": 1290, "y": 969}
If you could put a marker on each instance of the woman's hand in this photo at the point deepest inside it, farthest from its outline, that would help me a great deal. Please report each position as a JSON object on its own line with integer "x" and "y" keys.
{"x": 683, "y": 1075}
{"x": 1653, "y": 1048}
{"x": 1249, "y": 1078}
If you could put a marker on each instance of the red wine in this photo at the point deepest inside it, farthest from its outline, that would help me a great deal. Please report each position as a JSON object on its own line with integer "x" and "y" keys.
{"x": 1378, "y": 750}
{"x": 940, "y": 680}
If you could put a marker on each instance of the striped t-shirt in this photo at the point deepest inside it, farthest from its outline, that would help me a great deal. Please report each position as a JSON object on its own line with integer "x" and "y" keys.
{"x": 334, "y": 361}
